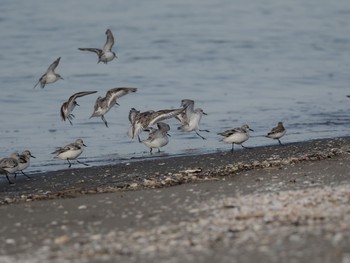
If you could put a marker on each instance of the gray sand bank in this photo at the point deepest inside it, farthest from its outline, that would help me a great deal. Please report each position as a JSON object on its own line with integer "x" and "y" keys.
{"x": 271, "y": 204}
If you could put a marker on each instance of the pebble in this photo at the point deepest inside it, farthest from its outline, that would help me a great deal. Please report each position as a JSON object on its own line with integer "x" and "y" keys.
{"x": 61, "y": 240}
{"x": 10, "y": 241}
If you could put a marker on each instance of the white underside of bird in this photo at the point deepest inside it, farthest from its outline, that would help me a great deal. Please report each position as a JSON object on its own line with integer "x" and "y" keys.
{"x": 107, "y": 56}
{"x": 237, "y": 138}
{"x": 10, "y": 165}
{"x": 156, "y": 142}
{"x": 101, "y": 111}
{"x": 70, "y": 154}
{"x": 193, "y": 123}
{"x": 50, "y": 78}
{"x": 276, "y": 135}
{"x": 11, "y": 169}
{"x": 23, "y": 165}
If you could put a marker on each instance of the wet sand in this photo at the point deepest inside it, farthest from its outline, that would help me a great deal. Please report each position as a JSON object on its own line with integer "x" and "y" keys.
{"x": 268, "y": 204}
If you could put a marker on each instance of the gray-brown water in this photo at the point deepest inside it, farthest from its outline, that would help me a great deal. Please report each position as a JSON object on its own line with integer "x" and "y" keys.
{"x": 241, "y": 61}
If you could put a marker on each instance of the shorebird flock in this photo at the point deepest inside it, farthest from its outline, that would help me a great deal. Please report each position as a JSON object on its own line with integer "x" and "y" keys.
{"x": 149, "y": 121}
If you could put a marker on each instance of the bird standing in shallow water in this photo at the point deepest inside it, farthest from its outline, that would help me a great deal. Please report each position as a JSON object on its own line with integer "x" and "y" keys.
{"x": 68, "y": 106}
{"x": 157, "y": 138}
{"x": 236, "y": 135}
{"x": 9, "y": 165}
{"x": 71, "y": 152}
{"x": 24, "y": 162}
{"x": 277, "y": 132}
{"x": 190, "y": 118}
{"x": 106, "y": 54}
{"x": 50, "y": 76}
{"x": 103, "y": 105}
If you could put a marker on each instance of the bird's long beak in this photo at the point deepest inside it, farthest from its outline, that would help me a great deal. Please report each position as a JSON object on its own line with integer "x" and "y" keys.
{"x": 251, "y": 129}
{"x": 84, "y": 144}
{"x": 32, "y": 156}
{"x": 61, "y": 78}
{"x": 205, "y": 113}
{"x": 168, "y": 134}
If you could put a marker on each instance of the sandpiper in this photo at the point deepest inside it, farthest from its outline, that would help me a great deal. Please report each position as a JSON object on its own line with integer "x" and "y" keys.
{"x": 277, "y": 132}
{"x": 106, "y": 54}
{"x": 9, "y": 165}
{"x": 50, "y": 76}
{"x": 142, "y": 120}
{"x": 103, "y": 105}
{"x": 24, "y": 162}
{"x": 68, "y": 106}
{"x": 190, "y": 118}
{"x": 157, "y": 138}
{"x": 71, "y": 152}
{"x": 236, "y": 135}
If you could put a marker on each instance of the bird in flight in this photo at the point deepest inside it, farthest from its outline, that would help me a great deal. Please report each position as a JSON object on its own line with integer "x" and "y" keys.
{"x": 68, "y": 106}
{"x": 106, "y": 54}
{"x": 50, "y": 76}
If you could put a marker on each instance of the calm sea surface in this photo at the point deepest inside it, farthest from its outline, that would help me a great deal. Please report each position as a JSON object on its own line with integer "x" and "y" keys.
{"x": 254, "y": 62}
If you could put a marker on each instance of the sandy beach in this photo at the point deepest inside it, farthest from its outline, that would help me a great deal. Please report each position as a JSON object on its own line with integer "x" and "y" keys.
{"x": 268, "y": 204}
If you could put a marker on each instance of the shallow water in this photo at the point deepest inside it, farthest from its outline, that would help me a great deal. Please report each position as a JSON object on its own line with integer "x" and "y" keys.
{"x": 255, "y": 62}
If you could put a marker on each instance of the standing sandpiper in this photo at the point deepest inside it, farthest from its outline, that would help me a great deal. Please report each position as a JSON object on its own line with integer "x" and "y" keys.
{"x": 236, "y": 135}
{"x": 277, "y": 132}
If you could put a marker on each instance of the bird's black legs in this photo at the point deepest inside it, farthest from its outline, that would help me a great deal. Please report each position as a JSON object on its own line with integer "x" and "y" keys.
{"x": 104, "y": 120}
{"x": 245, "y": 147}
{"x": 241, "y": 145}
{"x": 23, "y": 174}
{"x": 8, "y": 179}
{"x": 70, "y": 164}
{"x": 200, "y": 135}
{"x": 82, "y": 163}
